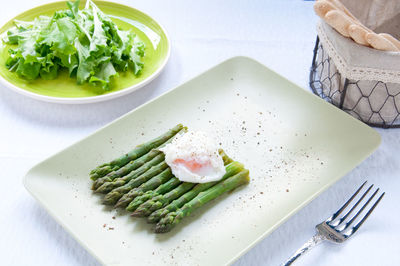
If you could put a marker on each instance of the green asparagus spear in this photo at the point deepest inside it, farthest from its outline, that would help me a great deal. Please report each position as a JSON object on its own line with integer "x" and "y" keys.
{"x": 162, "y": 200}
{"x": 227, "y": 160}
{"x": 173, "y": 218}
{"x": 126, "y": 169}
{"x": 152, "y": 194}
{"x": 231, "y": 169}
{"x": 149, "y": 185}
{"x": 113, "y": 196}
{"x": 104, "y": 170}
{"x": 132, "y": 165}
{"x": 109, "y": 186}
{"x": 143, "y": 197}
{"x": 137, "y": 152}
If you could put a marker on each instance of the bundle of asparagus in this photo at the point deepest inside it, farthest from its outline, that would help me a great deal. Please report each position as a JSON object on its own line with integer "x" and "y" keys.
{"x": 143, "y": 183}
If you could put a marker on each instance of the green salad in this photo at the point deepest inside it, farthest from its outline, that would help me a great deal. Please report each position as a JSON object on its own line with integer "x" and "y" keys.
{"x": 86, "y": 43}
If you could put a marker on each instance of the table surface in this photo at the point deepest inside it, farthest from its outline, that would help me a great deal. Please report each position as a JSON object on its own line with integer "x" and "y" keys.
{"x": 281, "y": 35}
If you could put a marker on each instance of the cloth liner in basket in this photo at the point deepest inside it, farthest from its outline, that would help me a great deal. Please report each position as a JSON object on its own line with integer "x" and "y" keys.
{"x": 360, "y": 80}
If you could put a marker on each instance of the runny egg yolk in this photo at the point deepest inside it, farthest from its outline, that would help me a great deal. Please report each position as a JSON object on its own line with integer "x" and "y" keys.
{"x": 190, "y": 164}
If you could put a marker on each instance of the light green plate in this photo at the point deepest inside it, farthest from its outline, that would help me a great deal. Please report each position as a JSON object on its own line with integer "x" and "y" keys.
{"x": 294, "y": 144}
{"x": 64, "y": 89}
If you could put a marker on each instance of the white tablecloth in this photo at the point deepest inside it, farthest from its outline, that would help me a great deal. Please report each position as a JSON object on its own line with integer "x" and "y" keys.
{"x": 281, "y": 35}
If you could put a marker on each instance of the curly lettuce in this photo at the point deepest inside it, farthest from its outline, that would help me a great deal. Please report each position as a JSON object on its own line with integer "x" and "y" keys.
{"x": 85, "y": 42}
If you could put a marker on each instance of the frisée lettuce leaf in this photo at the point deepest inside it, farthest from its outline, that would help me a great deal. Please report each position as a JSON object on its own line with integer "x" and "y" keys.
{"x": 85, "y": 42}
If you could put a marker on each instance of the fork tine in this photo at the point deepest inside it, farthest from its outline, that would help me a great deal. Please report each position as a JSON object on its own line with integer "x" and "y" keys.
{"x": 355, "y": 205}
{"x": 360, "y": 210}
{"x": 357, "y": 226}
{"x": 336, "y": 214}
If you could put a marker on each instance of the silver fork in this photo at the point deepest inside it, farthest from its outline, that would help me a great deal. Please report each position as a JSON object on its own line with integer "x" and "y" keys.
{"x": 336, "y": 229}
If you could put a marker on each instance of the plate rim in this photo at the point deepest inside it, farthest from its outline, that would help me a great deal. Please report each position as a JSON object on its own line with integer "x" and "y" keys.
{"x": 261, "y": 236}
{"x": 97, "y": 98}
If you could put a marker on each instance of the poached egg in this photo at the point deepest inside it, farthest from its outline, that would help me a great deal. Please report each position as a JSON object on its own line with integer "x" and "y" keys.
{"x": 193, "y": 157}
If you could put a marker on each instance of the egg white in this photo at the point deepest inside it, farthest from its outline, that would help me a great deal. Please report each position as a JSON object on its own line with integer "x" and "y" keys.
{"x": 193, "y": 157}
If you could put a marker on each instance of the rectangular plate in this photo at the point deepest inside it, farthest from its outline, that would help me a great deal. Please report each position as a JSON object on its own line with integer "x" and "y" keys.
{"x": 294, "y": 144}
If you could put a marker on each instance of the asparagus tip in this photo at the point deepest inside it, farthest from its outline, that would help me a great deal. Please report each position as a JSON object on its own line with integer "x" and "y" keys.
{"x": 108, "y": 202}
{"x": 99, "y": 190}
{"x": 92, "y": 172}
{"x": 104, "y": 188}
{"x": 152, "y": 219}
{"x": 167, "y": 223}
{"x": 137, "y": 214}
{"x": 162, "y": 228}
{"x": 119, "y": 204}
{"x": 110, "y": 199}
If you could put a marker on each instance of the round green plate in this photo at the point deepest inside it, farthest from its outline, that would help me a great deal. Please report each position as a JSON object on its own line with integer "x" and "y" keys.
{"x": 64, "y": 89}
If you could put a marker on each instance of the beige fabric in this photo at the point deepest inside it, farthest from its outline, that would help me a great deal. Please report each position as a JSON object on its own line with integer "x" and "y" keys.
{"x": 358, "y": 62}
{"x": 378, "y": 15}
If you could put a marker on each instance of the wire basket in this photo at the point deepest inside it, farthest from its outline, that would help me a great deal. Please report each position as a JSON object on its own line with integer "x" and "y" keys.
{"x": 373, "y": 102}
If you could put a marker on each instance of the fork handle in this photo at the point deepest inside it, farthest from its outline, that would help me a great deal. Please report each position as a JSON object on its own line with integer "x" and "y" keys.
{"x": 315, "y": 240}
